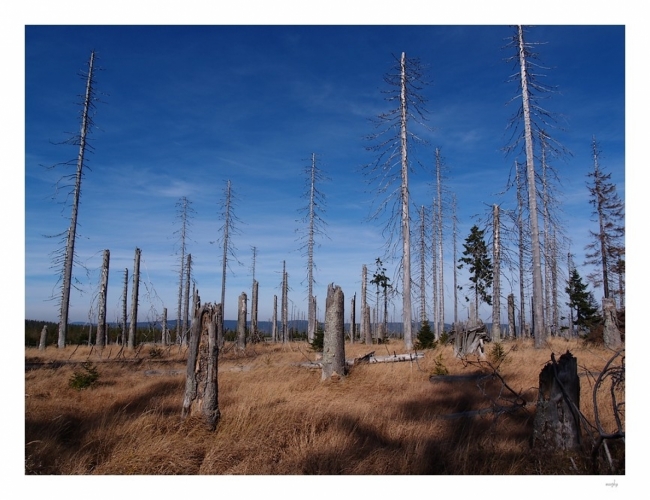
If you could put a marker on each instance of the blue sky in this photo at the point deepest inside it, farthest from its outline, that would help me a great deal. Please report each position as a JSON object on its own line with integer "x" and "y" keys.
{"x": 183, "y": 109}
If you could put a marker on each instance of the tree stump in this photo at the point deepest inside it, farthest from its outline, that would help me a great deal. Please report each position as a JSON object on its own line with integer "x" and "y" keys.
{"x": 43, "y": 339}
{"x": 201, "y": 389}
{"x": 557, "y": 423}
{"x": 241, "y": 322}
{"x": 334, "y": 335}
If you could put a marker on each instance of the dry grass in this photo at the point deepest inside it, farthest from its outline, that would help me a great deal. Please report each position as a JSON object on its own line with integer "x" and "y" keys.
{"x": 279, "y": 418}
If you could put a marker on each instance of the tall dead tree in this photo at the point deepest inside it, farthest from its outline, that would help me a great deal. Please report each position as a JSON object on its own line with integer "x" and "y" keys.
{"x": 254, "y": 299}
{"x": 125, "y": 291}
{"x": 103, "y": 289}
{"x": 82, "y": 141}
{"x": 227, "y": 230}
{"x": 365, "y": 324}
{"x": 521, "y": 245}
{"x": 422, "y": 275}
{"x": 201, "y": 398}
{"x": 334, "y": 335}
{"x": 184, "y": 213}
{"x": 284, "y": 313}
{"x": 455, "y": 251}
{"x": 496, "y": 275}
{"x": 392, "y": 148}
{"x": 353, "y": 324}
{"x": 133, "y": 327}
{"x": 186, "y": 299}
{"x": 274, "y": 320}
{"x": 440, "y": 315}
{"x": 607, "y": 246}
{"x": 314, "y": 226}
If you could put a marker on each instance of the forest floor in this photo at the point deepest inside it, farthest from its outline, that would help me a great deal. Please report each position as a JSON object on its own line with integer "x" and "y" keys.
{"x": 279, "y": 418}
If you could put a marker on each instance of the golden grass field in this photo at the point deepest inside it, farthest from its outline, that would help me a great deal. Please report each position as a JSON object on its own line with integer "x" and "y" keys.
{"x": 278, "y": 418}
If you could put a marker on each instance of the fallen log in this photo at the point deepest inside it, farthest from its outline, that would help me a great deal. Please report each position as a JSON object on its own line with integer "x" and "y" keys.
{"x": 369, "y": 358}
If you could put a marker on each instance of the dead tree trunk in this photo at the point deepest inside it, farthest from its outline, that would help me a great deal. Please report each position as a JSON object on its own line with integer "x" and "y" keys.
{"x": 285, "y": 305}
{"x": 134, "y": 299}
{"x": 611, "y": 334}
{"x": 557, "y": 424}
{"x": 163, "y": 338}
{"x": 512, "y": 328}
{"x": 334, "y": 337}
{"x": 101, "y": 315}
{"x": 353, "y": 325}
{"x": 365, "y": 323}
{"x": 201, "y": 388}
{"x": 469, "y": 339}
{"x": 125, "y": 291}
{"x": 186, "y": 301}
{"x": 241, "y": 321}
{"x": 254, "y": 333}
{"x": 43, "y": 340}
{"x": 366, "y": 320}
{"x": 274, "y": 320}
{"x": 496, "y": 283}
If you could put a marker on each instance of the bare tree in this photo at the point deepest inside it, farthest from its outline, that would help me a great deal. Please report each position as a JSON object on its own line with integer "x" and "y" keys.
{"x": 227, "y": 230}
{"x": 496, "y": 276}
{"x": 284, "y": 313}
{"x": 607, "y": 246}
{"x": 82, "y": 141}
{"x": 392, "y": 143}
{"x": 274, "y": 320}
{"x": 184, "y": 213}
{"x": 455, "y": 250}
{"x": 438, "y": 221}
{"x": 186, "y": 300}
{"x": 101, "y": 317}
{"x": 314, "y": 227}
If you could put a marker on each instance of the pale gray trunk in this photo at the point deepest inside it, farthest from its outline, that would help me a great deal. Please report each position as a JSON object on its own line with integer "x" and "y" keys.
{"x": 253, "y": 331}
{"x": 406, "y": 231}
{"x": 554, "y": 285}
{"x": 511, "y": 317}
{"x": 611, "y": 333}
{"x": 334, "y": 335}
{"x": 353, "y": 325}
{"x": 423, "y": 295}
{"x": 125, "y": 291}
{"x": 224, "y": 263}
{"x": 547, "y": 243}
{"x": 311, "y": 320}
{"x": 570, "y": 265}
{"x": 201, "y": 385}
{"x": 365, "y": 324}
{"x": 441, "y": 296}
{"x": 366, "y": 320}
{"x": 434, "y": 271}
{"x": 43, "y": 340}
{"x": 134, "y": 299}
{"x": 241, "y": 321}
{"x": 538, "y": 309}
{"x": 520, "y": 231}
{"x": 285, "y": 305}
{"x": 163, "y": 337}
{"x": 72, "y": 231}
{"x": 455, "y": 236}
{"x": 274, "y": 320}
{"x": 496, "y": 281}
{"x": 186, "y": 305}
{"x": 600, "y": 201}
{"x": 101, "y": 316}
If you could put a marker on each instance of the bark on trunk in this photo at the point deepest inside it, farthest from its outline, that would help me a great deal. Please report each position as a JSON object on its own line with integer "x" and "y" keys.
{"x": 611, "y": 333}
{"x": 334, "y": 335}
{"x": 353, "y": 325}
{"x": 512, "y": 328}
{"x": 201, "y": 387}
{"x": 366, "y": 320}
{"x": 254, "y": 335}
{"x": 365, "y": 324}
{"x": 186, "y": 300}
{"x": 125, "y": 291}
{"x": 496, "y": 283}
{"x": 406, "y": 229}
{"x": 134, "y": 299}
{"x": 101, "y": 316}
{"x": 274, "y": 321}
{"x": 557, "y": 425}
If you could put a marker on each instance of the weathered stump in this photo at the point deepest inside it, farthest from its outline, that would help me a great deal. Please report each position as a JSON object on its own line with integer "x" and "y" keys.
{"x": 512, "y": 329}
{"x": 241, "y": 322}
{"x": 201, "y": 389}
{"x": 43, "y": 340}
{"x": 469, "y": 340}
{"x": 557, "y": 423}
{"x": 334, "y": 335}
{"x": 611, "y": 333}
